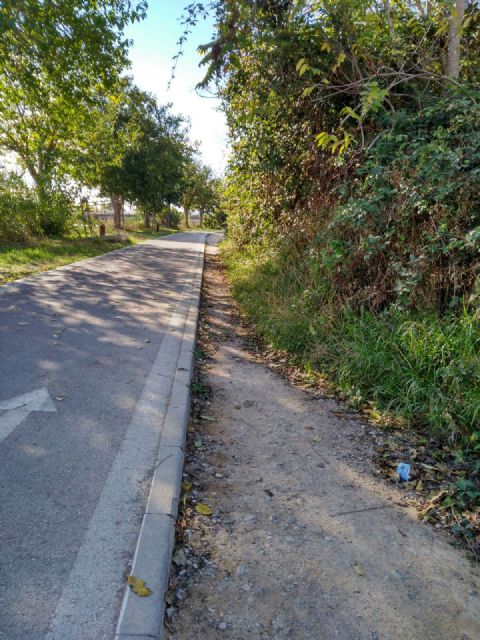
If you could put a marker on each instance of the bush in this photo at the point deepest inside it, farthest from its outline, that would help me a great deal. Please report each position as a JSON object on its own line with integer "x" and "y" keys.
{"x": 25, "y": 213}
{"x": 56, "y": 212}
{"x": 170, "y": 217}
{"x": 407, "y": 232}
{"x": 18, "y": 209}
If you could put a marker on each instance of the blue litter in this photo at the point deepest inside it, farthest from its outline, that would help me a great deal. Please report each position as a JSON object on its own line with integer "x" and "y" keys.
{"x": 403, "y": 471}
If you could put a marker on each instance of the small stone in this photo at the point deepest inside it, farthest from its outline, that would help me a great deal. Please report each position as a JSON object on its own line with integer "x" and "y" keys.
{"x": 222, "y": 626}
{"x": 245, "y": 587}
{"x": 241, "y": 570}
{"x": 237, "y": 406}
{"x": 181, "y": 594}
{"x": 170, "y": 612}
{"x": 248, "y": 403}
{"x": 179, "y": 557}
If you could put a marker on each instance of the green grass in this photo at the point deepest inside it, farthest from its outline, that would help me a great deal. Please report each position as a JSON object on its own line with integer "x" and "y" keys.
{"x": 420, "y": 367}
{"x": 18, "y": 260}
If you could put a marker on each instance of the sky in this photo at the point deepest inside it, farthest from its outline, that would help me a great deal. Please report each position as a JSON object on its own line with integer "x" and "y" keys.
{"x": 154, "y": 45}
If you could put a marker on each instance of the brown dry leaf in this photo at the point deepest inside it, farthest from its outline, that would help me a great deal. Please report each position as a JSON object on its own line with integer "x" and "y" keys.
{"x": 138, "y": 586}
{"x": 203, "y": 509}
{"x": 357, "y": 567}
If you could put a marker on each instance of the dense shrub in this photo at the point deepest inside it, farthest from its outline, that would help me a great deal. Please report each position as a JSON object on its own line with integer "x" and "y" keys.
{"x": 55, "y": 212}
{"x": 18, "y": 209}
{"x": 407, "y": 231}
{"x": 25, "y": 212}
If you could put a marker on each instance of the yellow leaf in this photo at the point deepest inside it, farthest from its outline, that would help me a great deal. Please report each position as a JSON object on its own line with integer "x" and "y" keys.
{"x": 138, "y": 586}
{"x": 186, "y": 485}
{"x": 307, "y": 91}
{"x": 203, "y": 509}
{"x": 358, "y": 569}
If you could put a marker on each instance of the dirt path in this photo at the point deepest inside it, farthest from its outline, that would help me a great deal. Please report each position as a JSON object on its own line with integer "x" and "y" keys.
{"x": 289, "y": 553}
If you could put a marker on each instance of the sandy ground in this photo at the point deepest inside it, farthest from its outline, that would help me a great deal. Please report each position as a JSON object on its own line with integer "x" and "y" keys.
{"x": 304, "y": 542}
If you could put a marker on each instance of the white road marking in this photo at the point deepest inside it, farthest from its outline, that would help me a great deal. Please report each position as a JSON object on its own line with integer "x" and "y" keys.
{"x": 17, "y": 409}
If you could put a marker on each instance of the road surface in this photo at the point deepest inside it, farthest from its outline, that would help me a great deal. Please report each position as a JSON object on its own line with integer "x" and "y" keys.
{"x": 80, "y": 356}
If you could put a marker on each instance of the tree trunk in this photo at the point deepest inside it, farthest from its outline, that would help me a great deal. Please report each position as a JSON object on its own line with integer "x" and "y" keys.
{"x": 454, "y": 39}
{"x": 117, "y": 204}
{"x": 388, "y": 15}
{"x": 201, "y": 219}
{"x": 187, "y": 216}
{"x": 146, "y": 220}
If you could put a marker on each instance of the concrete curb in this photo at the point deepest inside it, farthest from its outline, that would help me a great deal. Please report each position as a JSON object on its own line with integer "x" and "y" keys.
{"x": 142, "y": 618}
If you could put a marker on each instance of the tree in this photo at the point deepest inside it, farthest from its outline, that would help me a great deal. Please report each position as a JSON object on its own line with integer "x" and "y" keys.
{"x": 136, "y": 152}
{"x": 455, "y": 26}
{"x": 200, "y": 190}
{"x": 57, "y": 60}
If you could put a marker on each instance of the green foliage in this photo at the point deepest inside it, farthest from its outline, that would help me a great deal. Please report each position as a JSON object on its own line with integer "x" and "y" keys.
{"x": 407, "y": 226}
{"x": 170, "y": 217}
{"x": 18, "y": 209}
{"x": 137, "y": 150}
{"x": 56, "y": 212}
{"x": 57, "y": 60}
{"x": 353, "y": 193}
{"x": 25, "y": 212}
{"x": 201, "y": 191}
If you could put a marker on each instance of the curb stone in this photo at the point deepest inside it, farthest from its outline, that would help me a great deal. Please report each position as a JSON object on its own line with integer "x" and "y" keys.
{"x": 142, "y": 618}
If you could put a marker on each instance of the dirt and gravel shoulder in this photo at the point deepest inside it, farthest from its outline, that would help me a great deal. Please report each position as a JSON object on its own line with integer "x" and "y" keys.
{"x": 304, "y": 541}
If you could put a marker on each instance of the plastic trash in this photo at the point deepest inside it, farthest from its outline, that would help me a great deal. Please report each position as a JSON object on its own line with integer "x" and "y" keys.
{"x": 403, "y": 471}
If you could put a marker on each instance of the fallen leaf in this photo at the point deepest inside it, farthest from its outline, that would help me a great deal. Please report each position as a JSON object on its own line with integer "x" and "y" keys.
{"x": 138, "y": 586}
{"x": 209, "y": 418}
{"x": 198, "y": 442}
{"x": 357, "y": 567}
{"x": 203, "y": 509}
{"x": 186, "y": 485}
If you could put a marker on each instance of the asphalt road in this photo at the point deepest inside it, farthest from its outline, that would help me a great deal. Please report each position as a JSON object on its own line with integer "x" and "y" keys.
{"x": 83, "y": 342}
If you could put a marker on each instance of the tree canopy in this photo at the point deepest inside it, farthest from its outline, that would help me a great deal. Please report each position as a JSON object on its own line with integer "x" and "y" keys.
{"x": 56, "y": 60}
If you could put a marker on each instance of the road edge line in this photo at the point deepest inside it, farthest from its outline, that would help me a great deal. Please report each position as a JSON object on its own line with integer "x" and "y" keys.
{"x": 143, "y": 617}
